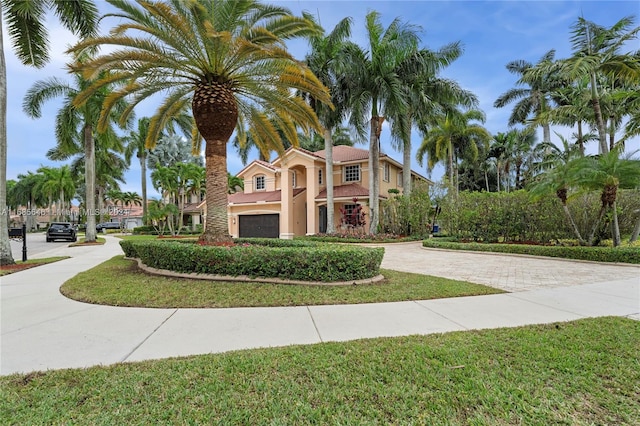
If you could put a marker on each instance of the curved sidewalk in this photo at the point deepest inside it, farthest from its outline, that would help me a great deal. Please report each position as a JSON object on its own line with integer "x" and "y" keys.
{"x": 41, "y": 329}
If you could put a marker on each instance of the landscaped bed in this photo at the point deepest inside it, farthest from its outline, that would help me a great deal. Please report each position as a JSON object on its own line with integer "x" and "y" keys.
{"x": 577, "y": 373}
{"x": 597, "y": 254}
{"x": 264, "y": 258}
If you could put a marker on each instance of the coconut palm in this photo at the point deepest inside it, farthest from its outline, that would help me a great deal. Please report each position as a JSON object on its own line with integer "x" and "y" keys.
{"x": 535, "y": 99}
{"x": 76, "y": 128}
{"x": 375, "y": 90}
{"x": 227, "y": 59}
{"x": 30, "y": 40}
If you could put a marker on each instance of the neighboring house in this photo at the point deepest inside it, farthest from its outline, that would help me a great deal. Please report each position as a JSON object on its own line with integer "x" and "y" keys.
{"x": 288, "y": 197}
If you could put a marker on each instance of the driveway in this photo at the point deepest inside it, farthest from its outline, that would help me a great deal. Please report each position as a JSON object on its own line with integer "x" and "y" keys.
{"x": 512, "y": 273}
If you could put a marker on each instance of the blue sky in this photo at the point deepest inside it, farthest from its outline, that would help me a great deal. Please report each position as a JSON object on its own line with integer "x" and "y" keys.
{"x": 493, "y": 33}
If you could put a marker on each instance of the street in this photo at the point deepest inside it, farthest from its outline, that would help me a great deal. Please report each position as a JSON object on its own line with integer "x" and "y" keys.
{"x": 37, "y": 246}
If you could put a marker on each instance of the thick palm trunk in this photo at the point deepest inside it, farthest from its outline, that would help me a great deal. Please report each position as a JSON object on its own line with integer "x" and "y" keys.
{"x": 90, "y": 183}
{"x": 328, "y": 153}
{"x": 636, "y": 230}
{"x": 6, "y": 257}
{"x": 374, "y": 173}
{"x": 216, "y": 228}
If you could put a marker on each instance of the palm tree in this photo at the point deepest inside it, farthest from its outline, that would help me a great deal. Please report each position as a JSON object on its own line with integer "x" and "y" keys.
{"x": 130, "y": 199}
{"x": 326, "y": 50}
{"x": 375, "y": 90}
{"x": 59, "y": 186}
{"x": 25, "y": 193}
{"x": 452, "y": 132}
{"x": 596, "y": 53}
{"x": 606, "y": 173}
{"x": 535, "y": 99}
{"x": 76, "y": 129}
{"x": 428, "y": 96}
{"x": 227, "y": 59}
{"x": 233, "y": 183}
{"x": 559, "y": 175}
{"x": 29, "y": 38}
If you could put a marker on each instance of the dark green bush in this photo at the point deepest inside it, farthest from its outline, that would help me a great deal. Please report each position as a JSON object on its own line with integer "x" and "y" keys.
{"x": 599, "y": 254}
{"x": 292, "y": 260}
{"x": 144, "y": 230}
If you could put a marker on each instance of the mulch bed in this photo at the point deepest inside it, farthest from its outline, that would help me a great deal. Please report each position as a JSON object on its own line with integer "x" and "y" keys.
{"x": 9, "y": 269}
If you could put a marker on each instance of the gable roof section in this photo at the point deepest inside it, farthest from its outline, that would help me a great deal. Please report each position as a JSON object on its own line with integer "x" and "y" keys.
{"x": 261, "y": 196}
{"x": 344, "y": 153}
{"x": 346, "y": 191}
{"x": 268, "y": 166}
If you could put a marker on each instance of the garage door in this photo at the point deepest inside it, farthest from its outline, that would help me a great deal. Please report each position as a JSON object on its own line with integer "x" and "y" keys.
{"x": 260, "y": 225}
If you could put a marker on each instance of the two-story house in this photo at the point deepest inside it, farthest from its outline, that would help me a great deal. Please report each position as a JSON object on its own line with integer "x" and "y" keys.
{"x": 288, "y": 196}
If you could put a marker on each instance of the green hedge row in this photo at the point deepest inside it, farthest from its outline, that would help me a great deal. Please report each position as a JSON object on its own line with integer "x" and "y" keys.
{"x": 295, "y": 261}
{"x": 599, "y": 254}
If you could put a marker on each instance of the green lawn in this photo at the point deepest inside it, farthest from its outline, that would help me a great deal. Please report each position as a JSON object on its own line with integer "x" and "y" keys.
{"x": 119, "y": 282}
{"x": 578, "y": 373}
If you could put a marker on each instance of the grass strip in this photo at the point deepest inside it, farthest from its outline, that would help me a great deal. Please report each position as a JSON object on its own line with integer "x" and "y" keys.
{"x": 119, "y": 282}
{"x": 31, "y": 263}
{"x": 580, "y": 373}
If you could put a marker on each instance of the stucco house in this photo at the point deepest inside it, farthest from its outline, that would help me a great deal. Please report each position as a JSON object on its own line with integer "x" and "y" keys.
{"x": 288, "y": 196}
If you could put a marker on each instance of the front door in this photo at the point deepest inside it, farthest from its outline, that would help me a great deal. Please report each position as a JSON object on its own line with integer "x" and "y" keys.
{"x": 322, "y": 216}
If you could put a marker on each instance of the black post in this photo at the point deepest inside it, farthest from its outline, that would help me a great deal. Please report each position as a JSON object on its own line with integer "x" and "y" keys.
{"x": 24, "y": 242}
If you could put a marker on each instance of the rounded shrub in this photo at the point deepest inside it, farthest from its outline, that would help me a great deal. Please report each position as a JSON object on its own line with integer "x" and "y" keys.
{"x": 271, "y": 258}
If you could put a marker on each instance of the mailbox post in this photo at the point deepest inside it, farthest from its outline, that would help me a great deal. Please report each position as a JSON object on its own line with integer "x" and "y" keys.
{"x": 24, "y": 242}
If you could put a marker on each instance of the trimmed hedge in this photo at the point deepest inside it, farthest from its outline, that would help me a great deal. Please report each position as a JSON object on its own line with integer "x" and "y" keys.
{"x": 598, "y": 254}
{"x": 293, "y": 260}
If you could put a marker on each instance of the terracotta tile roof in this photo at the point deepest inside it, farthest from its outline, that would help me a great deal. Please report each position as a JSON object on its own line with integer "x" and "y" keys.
{"x": 346, "y": 153}
{"x": 261, "y": 196}
{"x": 346, "y": 191}
{"x": 193, "y": 207}
{"x": 266, "y": 164}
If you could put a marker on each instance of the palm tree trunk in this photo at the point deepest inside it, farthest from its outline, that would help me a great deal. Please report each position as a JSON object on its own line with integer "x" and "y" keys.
{"x": 546, "y": 133}
{"x": 574, "y": 227}
{"x": 595, "y": 101}
{"x": 216, "y": 229}
{"x": 580, "y": 138}
{"x": 143, "y": 181}
{"x": 450, "y": 160}
{"x": 498, "y": 174}
{"x": 90, "y": 183}
{"x": 636, "y": 230}
{"x": 486, "y": 179}
{"x": 615, "y": 226}
{"x": 595, "y": 225}
{"x": 374, "y": 172}
{"x": 6, "y": 257}
{"x": 406, "y": 168}
{"x": 328, "y": 154}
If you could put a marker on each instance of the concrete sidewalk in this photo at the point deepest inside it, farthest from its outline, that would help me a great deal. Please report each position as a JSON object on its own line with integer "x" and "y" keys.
{"x": 41, "y": 329}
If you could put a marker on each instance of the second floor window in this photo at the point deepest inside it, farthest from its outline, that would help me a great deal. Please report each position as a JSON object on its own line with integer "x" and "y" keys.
{"x": 260, "y": 183}
{"x": 399, "y": 178}
{"x": 387, "y": 172}
{"x": 352, "y": 173}
{"x": 320, "y": 179}
{"x": 294, "y": 179}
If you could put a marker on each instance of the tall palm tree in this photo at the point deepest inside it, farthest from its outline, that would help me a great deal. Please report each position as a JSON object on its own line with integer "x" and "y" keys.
{"x": 376, "y": 91}
{"x": 135, "y": 142}
{"x": 58, "y": 184}
{"x": 324, "y": 60}
{"x": 596, "y": 53}
{"x": 227, "y": 58}
{"x": 428, "y": 95}
{"x": 25, "y": 193}
{"x": 30, "y": 40}
{"x": 535, "y": 99}
{"x": 76, "y": 128}
{"x": 130, "y": 199}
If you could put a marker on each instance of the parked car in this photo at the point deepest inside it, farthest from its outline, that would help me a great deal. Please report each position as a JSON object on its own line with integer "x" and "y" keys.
{"x": 61, "y": 231}
{"x": 104, "y": 226}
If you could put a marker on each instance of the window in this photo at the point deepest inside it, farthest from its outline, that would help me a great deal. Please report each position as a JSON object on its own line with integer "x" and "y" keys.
{"x": 352, "y": 173}
{"x": 399, "y": 178}
{"x": 320, "y": 177}
{"x": 294, "y": 179}
{"x": 387, "y": 173}
{"x": 259, "y": 183}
